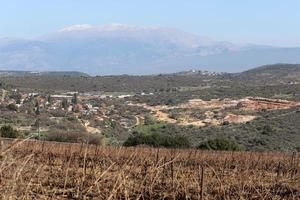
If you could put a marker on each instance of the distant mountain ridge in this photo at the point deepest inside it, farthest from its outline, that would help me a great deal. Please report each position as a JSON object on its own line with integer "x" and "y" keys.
{"x": 37, "y": 73}
{"x": 124, "y": 49}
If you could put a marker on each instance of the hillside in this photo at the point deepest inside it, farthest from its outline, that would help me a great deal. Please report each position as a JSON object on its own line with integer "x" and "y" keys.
{"x": 200, "y": 105}
{"x": 122, "y": 83}
{"x": 271, "y": 74}
{"x": 279, "y": 74}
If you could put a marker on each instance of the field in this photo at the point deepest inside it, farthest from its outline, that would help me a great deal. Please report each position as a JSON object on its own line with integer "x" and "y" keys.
{"x": 32, "y": 169}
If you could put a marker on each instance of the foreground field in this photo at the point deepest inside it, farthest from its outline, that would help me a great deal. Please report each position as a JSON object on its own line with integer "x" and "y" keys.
{"x": 48, "y": 170}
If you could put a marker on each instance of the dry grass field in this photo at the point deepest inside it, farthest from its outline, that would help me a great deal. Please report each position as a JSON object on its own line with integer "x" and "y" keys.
{"x": 49, "y": 170}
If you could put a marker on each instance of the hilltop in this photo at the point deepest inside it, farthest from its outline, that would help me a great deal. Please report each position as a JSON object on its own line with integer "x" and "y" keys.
{"x": 279, "y": 74}
{"x": 271, "y": 74}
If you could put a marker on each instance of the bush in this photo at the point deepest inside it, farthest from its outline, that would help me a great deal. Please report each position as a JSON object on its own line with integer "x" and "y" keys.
{"x": 73, "y": 137}
{"x": 221, "y": 144}
{"x": 268, "y": 130}
{"x": 94, "y": 139}
{"x": 149, "y": 120}
{"x": 158, "y": 140}
{"x": 65, "y": 136}
{"x": 225, "y": 123}
{"x": 58, "y": 113}
{"x": 8, "y": 132}
{"x": 174, "y": 116}
{"x": 12, "y": 107}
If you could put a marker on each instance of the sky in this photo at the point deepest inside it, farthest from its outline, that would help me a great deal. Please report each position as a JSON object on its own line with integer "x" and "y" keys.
{"x": 271, "y": 22}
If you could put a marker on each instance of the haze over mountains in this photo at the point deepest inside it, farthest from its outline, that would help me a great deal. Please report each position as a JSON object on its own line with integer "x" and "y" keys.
{"x": 125, "y": 49}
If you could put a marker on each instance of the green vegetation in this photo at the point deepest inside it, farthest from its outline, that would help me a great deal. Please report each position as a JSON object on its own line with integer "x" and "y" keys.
{"x": 8, "y": 132}
{"x": 221, "y": 144}
{"x": 151, "y": 134}
{"x": 75, "y": 98}
{"x": 117, "y": 118}
{"x": 65, "y": 104}
{"x": 157, "y": 140}
{"x": 12, "y": 107}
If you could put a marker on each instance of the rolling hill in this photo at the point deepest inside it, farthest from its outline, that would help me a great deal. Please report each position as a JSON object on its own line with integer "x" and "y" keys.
{"x": 277, "y": 75}
{"x": 271, "y": 75}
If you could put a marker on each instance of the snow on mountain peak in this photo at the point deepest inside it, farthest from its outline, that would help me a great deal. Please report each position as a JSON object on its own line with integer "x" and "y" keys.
{"x": 78, "y": 27}
{"x": 106, "y": 27}
{"x": 115, "y": 26}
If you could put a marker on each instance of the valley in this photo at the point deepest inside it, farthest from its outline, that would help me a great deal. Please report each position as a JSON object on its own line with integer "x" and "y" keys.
{"x": 199, "y": 106}
{"x": 149, "y": 100}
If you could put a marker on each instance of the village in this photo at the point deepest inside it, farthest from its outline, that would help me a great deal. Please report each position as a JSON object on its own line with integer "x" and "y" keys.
{"x": 114, "y": 115}
{"x": 68, "y": 111}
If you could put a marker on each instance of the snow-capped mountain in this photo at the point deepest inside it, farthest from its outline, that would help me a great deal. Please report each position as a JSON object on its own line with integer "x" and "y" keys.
{"x": 127, "y": 49}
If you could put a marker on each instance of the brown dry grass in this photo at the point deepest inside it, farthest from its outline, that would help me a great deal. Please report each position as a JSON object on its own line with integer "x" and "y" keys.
{"x": 49, "y": 170}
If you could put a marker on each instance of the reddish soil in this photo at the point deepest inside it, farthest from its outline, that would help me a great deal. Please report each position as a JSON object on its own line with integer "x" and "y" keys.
{"x": 258, "y": 103}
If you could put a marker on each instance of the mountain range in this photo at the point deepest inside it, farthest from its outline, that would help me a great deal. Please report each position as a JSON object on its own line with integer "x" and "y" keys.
{"x": 124, "y": 49}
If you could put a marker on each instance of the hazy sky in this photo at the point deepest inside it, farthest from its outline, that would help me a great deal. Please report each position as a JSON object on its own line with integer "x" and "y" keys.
{"x": 274, "y": 22}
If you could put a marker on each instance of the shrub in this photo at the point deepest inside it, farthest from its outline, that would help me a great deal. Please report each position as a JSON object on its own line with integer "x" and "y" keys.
{"x": 225, "y": 123}
{"x": 73, "y": 137}
{"x": 58, "y": 113}
{"x": 149, "y": 120}
{"x": 94, "y": 139}
{"x": 268, "y": 130}
{"x": 12, "y": 107}
{"x": 8, "y": 132}
{"x": 157, "y": 140}
{"x": 65, "y": 136}
{"x": 174, "y": 116}
{"x": 221, "y": 144}
{"x": 71, "y": 118}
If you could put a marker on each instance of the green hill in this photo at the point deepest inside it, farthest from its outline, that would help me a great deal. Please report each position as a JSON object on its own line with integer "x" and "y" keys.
{"x": 271, "y": 74}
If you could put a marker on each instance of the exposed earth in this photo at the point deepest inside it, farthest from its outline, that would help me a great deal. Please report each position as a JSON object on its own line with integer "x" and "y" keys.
{"x": 216, "y": 110}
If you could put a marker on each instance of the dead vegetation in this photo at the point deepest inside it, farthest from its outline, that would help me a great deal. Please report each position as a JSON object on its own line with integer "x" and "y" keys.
{"x": 50, "y": 170}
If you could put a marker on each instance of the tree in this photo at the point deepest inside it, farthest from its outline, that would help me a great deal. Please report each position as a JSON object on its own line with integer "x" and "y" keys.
{"x": 49, "y": 99}
{"x": 18, "y": 101}
{"x": 65, "y": 104}
{"x": 75, "y": 99}
{"x": 8, "y": 132}
{"x": 37, "y": 125}
{"x": 37, "y": 108}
